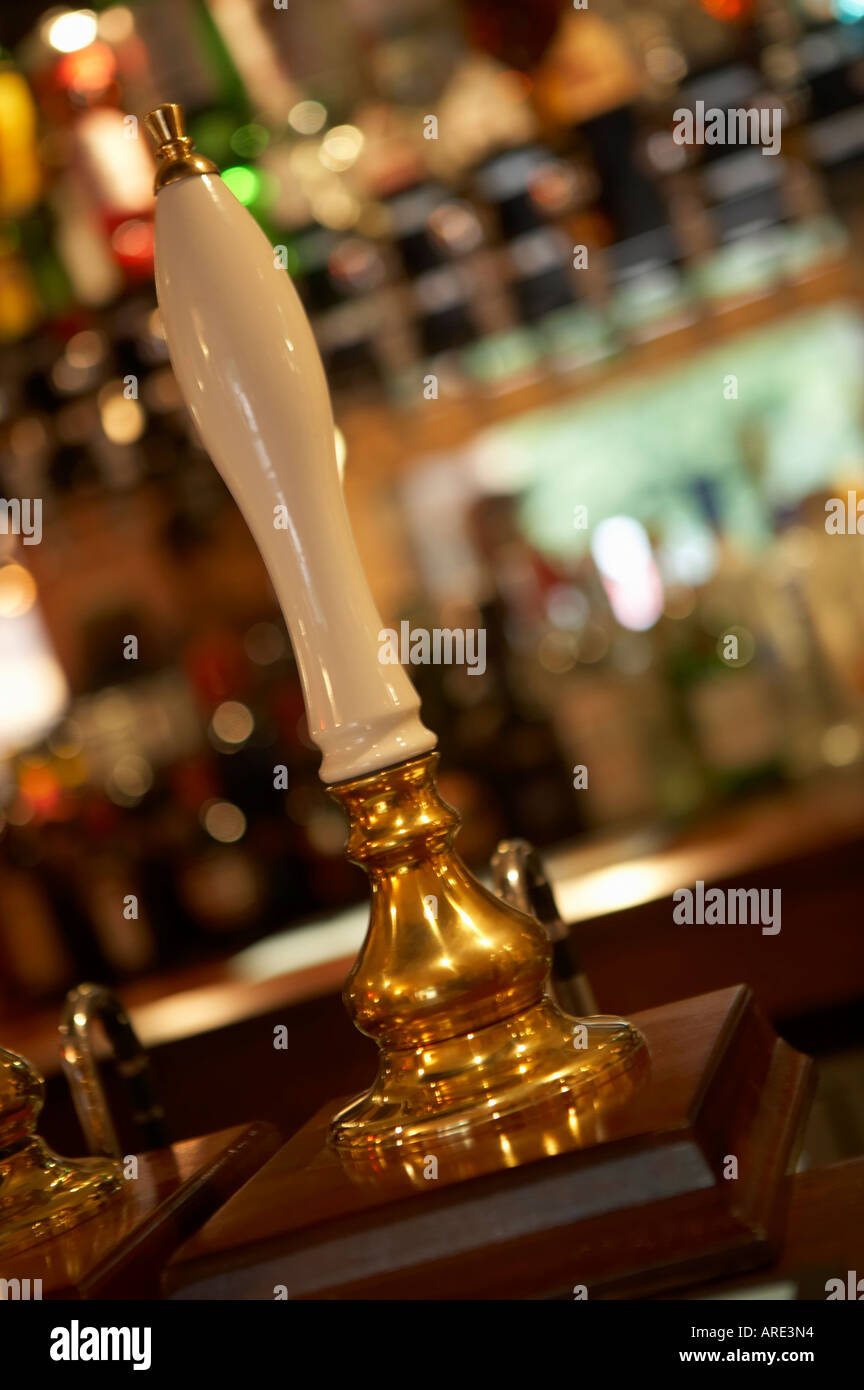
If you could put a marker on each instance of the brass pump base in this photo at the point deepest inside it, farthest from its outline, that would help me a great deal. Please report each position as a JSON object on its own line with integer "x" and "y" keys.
{"x": 41, "y": 1194}
{"x": 450, "y": 982}
{"x": 517, "y": 1064}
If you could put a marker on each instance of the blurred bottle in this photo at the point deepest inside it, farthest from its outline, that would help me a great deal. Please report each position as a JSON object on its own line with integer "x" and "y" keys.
{"x": 339, "y": 277}
{"x": 825, "y": 721}
{"x": 724, "y": 672}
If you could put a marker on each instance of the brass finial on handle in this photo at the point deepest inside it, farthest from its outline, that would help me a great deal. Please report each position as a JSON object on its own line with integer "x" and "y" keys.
{"x": 166, "y": 125}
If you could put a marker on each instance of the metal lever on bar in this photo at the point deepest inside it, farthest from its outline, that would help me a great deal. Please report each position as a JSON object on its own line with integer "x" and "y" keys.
{"x": 520, "y": 879}
{"x": 84, "y": 1005}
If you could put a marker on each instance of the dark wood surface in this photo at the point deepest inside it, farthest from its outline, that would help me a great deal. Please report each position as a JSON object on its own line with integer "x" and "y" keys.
{"x": 120, "y": 1251}
{"x": 824, "y": 1238}
{"x": 633, "y": 1202}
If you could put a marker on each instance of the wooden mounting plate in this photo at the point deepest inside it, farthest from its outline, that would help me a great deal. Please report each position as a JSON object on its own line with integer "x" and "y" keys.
{"x": 642, "y": 1206}
{"x": 120, "y": 1251}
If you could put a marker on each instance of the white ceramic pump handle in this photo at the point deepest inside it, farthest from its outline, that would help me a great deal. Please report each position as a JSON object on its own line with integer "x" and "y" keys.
{"x": 249, "y": 369}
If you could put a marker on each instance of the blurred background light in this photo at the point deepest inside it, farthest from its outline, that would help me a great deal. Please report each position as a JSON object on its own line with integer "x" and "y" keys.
{"x": 223, "y": 821}
{"x": 70, "y": 30}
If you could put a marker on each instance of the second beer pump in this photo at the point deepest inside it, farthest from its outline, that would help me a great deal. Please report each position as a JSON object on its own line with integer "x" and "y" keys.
{"x": 450, "y": 982}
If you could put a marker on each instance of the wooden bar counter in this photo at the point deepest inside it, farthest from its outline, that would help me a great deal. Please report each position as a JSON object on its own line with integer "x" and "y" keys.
{"x": 219, "y": 1019}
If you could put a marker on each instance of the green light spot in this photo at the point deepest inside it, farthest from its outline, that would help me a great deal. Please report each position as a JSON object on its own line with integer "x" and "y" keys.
{"x": 244, "y": 183}
{"x": 249, "y": 141}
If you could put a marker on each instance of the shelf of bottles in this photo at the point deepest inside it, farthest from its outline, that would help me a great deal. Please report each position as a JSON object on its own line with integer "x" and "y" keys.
{"x": 462, "y": 219}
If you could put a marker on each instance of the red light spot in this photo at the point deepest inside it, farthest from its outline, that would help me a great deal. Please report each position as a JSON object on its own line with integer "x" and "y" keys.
{"x": 132, "y": 243}
{"x": 91, "y": 69}
{"x": 727, "y": 10}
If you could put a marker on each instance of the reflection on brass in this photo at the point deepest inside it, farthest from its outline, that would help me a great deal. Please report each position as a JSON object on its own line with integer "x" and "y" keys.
{"x": 546, "y": 1129}
{"x": 450, "y": 982}
{"x": 41, "y": 1194}
{"x": 174, "y": 149}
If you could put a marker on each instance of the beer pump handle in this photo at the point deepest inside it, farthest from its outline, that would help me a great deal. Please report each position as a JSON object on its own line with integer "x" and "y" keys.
{"x": 249, "y": 369}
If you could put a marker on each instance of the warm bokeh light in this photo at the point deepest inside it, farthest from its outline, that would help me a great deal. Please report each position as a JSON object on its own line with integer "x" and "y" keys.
{"x": 841, "y": 745}
{"x": 334, "y": 206}
{"x": 123, "y": 420}
{"x": 17, "y": 591}
{"x": 33, "y": 689}
{"x": 116, "y": 24}
{"x": 223, "y": 821}
{"x": 340, "y": 147}
{"x": 727, "y": 10}
{"x": 39, "y": 785}
{"x": 307, "y": 117}
{"x": 232, "y": 722}
{"x": 131, "y": 778}
{"x": 88, "y": 71}
{"x": 133, "y": 242}
{"x": 69, "y": 30}
{"x": 85, "y": 349}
